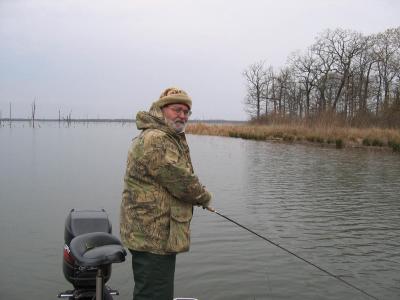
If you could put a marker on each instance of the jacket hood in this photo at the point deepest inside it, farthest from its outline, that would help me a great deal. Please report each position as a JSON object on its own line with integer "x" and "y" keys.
{"x": 153, "y": 119}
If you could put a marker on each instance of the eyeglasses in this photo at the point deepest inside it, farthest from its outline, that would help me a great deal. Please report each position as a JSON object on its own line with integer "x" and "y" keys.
{"x": 179, "y": 110}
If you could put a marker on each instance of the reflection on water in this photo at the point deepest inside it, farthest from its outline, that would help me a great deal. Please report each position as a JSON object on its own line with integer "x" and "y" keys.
{"x": 338, "y": 208}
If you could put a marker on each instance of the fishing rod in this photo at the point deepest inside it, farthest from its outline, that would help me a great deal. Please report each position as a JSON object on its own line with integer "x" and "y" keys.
{"x": 292, "y": 253}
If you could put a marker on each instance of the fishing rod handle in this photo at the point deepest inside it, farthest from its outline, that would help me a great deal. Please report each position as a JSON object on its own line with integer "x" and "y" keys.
{"x": 209, "y": 208}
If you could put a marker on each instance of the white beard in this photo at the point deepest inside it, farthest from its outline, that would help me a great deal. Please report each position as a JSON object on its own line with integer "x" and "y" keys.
{"x": 178, "y": 127}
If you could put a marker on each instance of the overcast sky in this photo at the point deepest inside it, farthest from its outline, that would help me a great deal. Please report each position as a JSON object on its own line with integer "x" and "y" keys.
{"x": 110, "y": 59}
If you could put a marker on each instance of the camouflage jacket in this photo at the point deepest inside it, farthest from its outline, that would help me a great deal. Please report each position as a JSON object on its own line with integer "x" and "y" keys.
{"x": 160, "y": 189}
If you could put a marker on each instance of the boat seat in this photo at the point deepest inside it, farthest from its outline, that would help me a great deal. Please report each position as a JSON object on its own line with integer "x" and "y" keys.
{"x": 96, "y": 249}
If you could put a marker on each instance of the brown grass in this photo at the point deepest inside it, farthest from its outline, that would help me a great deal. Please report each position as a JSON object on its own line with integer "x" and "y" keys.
{"x": 317, "y": 134}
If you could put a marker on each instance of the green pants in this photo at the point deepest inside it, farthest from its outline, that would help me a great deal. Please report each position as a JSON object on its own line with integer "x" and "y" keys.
{"x": 153, "y": 275}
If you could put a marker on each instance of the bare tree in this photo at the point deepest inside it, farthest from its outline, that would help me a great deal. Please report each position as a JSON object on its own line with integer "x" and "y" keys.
{"x": 69, "y": 120}
{"x": 304, "y": 68}
{"x": 362, "y": 69}
{"x": 387, "y": 52}
{"x": 10, "y": 114}
{"x": 283, "y": 80}
{"x": 255, "y": 76}
{"x": 344, "y": 45}
{"x": 33, "y": 112}
{"x": 269, "y": 92}
{"x": 323, "y": 69}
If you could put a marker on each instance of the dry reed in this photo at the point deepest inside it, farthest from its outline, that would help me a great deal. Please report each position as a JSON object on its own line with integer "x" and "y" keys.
{"x": 318, "y": 134}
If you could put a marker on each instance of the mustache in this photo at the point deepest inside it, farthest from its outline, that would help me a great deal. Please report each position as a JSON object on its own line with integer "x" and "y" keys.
{"x": 179, "y": 121}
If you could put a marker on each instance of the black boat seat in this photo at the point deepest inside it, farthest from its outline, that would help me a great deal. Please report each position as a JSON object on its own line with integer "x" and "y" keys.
{"x": 96, "y": 249}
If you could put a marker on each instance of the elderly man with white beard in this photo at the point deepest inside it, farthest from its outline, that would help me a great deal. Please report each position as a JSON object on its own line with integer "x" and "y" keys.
{"x": 160, "y": 190}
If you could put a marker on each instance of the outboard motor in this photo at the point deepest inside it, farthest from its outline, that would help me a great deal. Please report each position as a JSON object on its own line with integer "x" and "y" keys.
{"x": 89, "y": 251}
{"x": 80, "y": 222}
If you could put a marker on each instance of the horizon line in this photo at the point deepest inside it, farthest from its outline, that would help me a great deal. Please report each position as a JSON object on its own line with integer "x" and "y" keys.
{"x": 104, "y": 120}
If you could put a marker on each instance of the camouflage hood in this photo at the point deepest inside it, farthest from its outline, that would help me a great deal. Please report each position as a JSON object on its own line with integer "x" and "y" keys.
{"x": 154, "y": 119}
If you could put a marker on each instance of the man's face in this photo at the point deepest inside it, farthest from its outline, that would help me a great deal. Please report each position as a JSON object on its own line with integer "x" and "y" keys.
{"x": 176, "y": 116}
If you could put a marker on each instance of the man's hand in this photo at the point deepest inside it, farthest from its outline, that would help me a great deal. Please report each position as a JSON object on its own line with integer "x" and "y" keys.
{"x": 204, "y": 199}
{"x": 209, "y": 208}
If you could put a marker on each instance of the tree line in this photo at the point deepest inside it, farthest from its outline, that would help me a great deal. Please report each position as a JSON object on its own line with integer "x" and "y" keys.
{"x": 344, "y": 74}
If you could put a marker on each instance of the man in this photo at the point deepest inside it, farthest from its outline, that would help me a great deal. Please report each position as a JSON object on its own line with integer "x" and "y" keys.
{"x": 160, "y": 191}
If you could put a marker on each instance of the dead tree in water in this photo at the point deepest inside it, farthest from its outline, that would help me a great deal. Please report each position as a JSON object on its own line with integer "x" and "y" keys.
{"x": 33, "y": 112}
{"x": 69, "y": 119}
{"x": 10, "y": 114}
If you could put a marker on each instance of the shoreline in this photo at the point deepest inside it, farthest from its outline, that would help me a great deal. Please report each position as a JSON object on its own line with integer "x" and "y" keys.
{"x": 376, "y": 139}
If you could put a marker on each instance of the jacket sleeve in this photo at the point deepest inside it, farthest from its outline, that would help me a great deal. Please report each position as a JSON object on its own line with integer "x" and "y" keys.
{"x": 162, "y": 160}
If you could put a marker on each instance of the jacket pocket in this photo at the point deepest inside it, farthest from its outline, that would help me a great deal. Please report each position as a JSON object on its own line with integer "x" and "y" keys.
{"x": 179, "y": 230}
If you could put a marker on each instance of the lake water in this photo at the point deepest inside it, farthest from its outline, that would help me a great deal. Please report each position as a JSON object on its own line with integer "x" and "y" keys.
{"x": 339, "y": 209}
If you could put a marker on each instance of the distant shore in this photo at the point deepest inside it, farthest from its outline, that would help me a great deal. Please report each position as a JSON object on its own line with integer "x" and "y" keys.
{"x": 318, "y": 135}
{"x": 339, "y": 137}
{"x": 90, "y": 120}
{"x": 7, "y": 120}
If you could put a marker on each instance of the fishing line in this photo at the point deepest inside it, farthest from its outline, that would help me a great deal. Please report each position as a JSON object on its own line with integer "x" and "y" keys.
{"x": 292, "y": 253}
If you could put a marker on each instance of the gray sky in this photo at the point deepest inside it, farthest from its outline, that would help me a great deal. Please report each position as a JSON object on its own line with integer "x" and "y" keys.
{"x": 111, "y": 59}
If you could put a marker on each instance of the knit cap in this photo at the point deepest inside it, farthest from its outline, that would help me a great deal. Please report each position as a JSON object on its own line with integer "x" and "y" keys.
{"x": 174, "y": 95}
